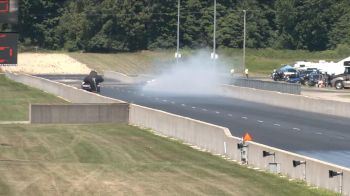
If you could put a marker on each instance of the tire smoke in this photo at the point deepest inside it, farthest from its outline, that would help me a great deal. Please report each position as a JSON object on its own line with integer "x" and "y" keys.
{"x": 194, "y": 76}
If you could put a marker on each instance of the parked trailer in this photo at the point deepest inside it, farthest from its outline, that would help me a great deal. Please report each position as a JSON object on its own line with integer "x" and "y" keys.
{"x": 331, "y": 68}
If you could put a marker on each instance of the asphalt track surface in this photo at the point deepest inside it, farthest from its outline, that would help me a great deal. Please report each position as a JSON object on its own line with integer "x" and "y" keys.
{"x": 319, "y": 136}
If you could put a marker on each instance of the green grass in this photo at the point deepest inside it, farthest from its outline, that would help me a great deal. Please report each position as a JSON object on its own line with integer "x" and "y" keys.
{"x": 15, "y": 99}
{"x": 128, "y": 63}
{"x": 113, "y": 159}
{"x": 258, "y": 61}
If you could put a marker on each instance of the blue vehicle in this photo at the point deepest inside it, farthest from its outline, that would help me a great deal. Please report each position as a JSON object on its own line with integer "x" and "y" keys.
{"x": 294, "y": 78}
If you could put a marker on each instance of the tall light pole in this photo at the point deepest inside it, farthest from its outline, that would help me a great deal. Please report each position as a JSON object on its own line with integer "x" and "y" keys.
{"x": 177, "y": 55}
{"x": 244, "y": 38}
{"x": 214, "y": 34}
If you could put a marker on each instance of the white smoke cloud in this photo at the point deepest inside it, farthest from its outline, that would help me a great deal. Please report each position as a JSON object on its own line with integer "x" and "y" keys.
{"x": 194, "y": 76}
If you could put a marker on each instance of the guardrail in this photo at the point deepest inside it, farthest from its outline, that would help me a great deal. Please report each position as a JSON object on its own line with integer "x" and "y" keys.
{"x": 268, "y": 85}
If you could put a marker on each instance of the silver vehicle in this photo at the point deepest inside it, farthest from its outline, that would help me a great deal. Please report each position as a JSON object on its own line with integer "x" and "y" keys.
{"x": 342, "y": 80}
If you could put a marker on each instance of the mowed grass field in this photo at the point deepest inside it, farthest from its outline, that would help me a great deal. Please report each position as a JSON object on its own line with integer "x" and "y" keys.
{"x": 112, "y": 159}
{"x": 129, "y": 63}
{"x": 258, "y": 61}
{"x": 15, "y": 99}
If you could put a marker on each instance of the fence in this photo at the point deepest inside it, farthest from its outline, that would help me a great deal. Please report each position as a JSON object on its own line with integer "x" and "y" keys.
{"x": 268, "y": 85}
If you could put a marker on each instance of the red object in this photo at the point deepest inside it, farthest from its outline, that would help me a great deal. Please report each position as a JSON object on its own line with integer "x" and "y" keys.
{"x": 4, "y": 6}
{"x": 9, "y": 52}
{"x": 3, "y": 48}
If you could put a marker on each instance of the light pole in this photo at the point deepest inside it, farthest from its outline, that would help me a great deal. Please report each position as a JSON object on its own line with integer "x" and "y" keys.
{"x": 244, "y": 38}
{"x": 177, "y": 55}
{"x": 214, "y": 35}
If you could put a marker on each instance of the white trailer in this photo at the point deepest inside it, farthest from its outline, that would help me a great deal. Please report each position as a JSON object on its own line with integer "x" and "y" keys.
{"x": 324, "y": 66}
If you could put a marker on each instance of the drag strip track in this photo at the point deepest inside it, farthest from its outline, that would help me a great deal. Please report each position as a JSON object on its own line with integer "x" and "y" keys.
{"x": 319, "y": 136}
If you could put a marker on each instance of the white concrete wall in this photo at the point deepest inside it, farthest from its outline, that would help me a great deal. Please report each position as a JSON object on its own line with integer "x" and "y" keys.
{"x": 79, "y": 113}
{"x": 212, "y": 138}
{"x": 296, "y": 102}
{"x": 126, "y": 78}
{"x": 64, "y": 91}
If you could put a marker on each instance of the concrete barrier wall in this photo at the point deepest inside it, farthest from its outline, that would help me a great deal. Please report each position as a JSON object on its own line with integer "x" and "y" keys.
{"x": 204, "y": 135}
{"x": 268, "y": 85}
{"x": 215, "y": 138}
{"x": 296, "y": 102}
{"x": 314, "y": 172}
{"x": 126, "y": 78}
{"x": 64, "y": 91}
{"x": 79, "y": 113}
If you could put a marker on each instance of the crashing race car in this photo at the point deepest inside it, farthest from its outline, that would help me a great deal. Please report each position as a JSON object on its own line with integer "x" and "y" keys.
{"x": 92, "y": 82}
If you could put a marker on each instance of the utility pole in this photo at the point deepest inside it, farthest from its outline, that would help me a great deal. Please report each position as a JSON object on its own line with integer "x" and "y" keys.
{"x": 178, "y": 33}
{"x": 244, "y": 38}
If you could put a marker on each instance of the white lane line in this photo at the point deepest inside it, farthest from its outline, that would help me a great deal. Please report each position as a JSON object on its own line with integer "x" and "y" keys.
{"x": 230, "y": 115}
{"x": 297, "y": 129}
{"x": 172, "y": 102}
{"x": 164, "y": 100}
{"x": 260, "y": 121}
{"x": 217, "y": 112}
{"x": 340, "y": 138}
{"x": 204, "y": 109}
{"x": 243, "y": 117}
{"x": 319, "y": 133}
{"x": 193, "y": 107}
{"x": 184, "y": 105}
{"x": 278, "y": 125}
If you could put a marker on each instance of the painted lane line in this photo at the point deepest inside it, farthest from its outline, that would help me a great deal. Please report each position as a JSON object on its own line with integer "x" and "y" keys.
{"x": 164, "y": 100}
{"x": 243, "y": 117}
{"x": 260, "y": 121}
{"x": 172, "y": 102}
{"x": 204, "y": 109}
{"x": 340, "y": 137}
{"x": 193, "y": 107}
{"x": 230, "y": 115}
{"x": 184, "y": 105}
{"x": 278, "y": 125}
{"x": 319, "y": 133}
{"x": 217, "y": 112}
{"x": 297, "y": 129}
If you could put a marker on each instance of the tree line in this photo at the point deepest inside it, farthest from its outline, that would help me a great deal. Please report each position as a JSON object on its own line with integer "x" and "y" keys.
{"x": 125, "y": 25}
